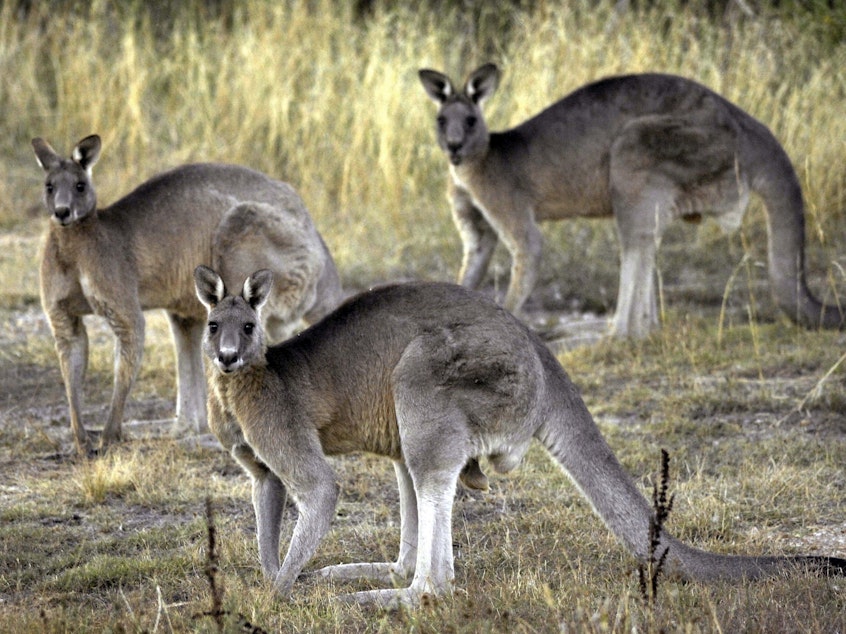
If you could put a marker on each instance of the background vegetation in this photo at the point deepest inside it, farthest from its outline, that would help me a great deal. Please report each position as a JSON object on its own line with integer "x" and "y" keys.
{"x": 325, "y": 95}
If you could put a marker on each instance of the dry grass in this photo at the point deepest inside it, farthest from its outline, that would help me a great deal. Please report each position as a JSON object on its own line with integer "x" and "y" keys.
{"x": 121, "y": 545}
{"x": 309, "y": 93}
{"x": 756, "y": 444}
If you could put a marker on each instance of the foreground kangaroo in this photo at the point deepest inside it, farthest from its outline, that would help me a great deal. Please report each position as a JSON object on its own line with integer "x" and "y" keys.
{"x": 647, "y": 149}
{"x": 431, "y": 376}
{"x": 140, "y": 253}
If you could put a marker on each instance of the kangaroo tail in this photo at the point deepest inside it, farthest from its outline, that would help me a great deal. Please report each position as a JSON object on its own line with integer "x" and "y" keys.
{"x": 571, "y": 436}
{"x": 778, "y": 185}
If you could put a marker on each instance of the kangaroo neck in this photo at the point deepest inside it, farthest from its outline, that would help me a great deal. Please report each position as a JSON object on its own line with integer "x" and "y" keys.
{"x": 471, "y": 173}
{"x": 79, "y": 240}
{"x": 503, "y": 155}
{"x": 240, "y": 393}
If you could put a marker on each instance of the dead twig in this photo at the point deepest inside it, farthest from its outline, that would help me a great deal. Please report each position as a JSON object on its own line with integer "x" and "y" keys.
{"x": 649, "y": 574}
{"x": 212, "y": 572}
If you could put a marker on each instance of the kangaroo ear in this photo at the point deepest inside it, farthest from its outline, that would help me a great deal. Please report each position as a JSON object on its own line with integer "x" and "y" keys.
{"x": 482, "y": 83}
{"x": 209, "y": 286}
{"x": 257, "y": 288}
{"x": 437, "y": 85}
{"x": 45, "y": 155}
{"x": 87, "y": 152}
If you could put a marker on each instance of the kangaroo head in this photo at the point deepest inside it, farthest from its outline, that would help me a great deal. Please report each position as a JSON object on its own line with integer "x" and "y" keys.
{"x": 462, "y": 132}
{"x": 68, "y": 191}
{"x": 234, "y": 338}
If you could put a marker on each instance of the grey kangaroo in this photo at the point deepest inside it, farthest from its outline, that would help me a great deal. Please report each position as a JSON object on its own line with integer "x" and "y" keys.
{"x": 429, "y": 375}
{"x": 646, "y": 148}
{"x": 140, "y": 252}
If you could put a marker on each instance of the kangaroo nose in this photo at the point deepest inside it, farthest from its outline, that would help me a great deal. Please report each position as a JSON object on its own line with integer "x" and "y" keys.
{"x": 62, "y": 213}
{"x": 226, "y": 359}
{"x": 454, "y": 152}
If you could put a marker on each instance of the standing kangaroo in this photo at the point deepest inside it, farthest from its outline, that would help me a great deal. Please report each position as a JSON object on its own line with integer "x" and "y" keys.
{"x": 140, "y": 252}
{"x": 429, "y": 375}
{"x": 646, "y": 148}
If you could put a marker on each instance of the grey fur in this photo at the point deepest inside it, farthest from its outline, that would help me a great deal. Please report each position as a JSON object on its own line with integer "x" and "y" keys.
{"x": 648, "y": 149}
{"x": 140, "y": 252}
{"x": 431, "y": 376}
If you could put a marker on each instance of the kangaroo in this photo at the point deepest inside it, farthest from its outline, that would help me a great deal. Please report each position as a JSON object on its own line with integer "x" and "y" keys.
{"x": 646, "y": 148}
{"x": 139, "y": 253}
{"x": 429, "y": 375}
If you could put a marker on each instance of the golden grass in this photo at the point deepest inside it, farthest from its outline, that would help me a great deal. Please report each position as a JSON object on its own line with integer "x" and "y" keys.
{"x": 332, "y": 103}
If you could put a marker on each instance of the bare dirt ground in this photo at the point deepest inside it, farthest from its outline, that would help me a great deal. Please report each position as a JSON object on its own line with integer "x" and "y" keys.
{"x": 33, "y": 405}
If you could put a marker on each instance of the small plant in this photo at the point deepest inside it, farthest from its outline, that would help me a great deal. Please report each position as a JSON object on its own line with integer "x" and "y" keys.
{"x": 212, "y": 572}
{"x": 649, "y": 573}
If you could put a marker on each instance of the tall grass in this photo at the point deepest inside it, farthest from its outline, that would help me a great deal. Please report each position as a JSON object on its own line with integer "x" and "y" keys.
{"x": 330, "y": 101}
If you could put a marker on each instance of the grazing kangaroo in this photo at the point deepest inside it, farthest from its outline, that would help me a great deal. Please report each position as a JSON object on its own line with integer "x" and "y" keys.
{"x": 429, "y": 375}
{"x": 140, "y": 252}
{"x": 646, "y": 148}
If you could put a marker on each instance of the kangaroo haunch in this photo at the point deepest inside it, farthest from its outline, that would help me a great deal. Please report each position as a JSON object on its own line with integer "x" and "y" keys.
{"x": 140, "y": 252}
{"x": 646, "y": 148}
{"x": 430, "y": 376}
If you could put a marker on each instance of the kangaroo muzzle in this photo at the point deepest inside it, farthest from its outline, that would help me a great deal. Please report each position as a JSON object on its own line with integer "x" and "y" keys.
{"x": 228, "y": 360}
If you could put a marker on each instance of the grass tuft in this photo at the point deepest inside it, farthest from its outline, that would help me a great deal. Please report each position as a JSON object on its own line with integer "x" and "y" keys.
{"x": 115, "y": 475}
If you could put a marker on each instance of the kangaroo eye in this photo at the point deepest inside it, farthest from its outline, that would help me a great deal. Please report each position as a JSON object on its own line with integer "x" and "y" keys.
{"x": 248, "y": 328}
{"x": 441, "y": 121}
{"x": 49, "y": 188}
{"x": 80, "y": 187}
{"x": 471, "y": 122}
{"x": 212, "y": 327}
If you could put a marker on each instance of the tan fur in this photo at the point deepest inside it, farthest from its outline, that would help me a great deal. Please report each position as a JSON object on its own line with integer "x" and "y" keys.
{"x": 647, "y": 149}
{"x": 140, "y": 252}
{"x": 431, "y": 376}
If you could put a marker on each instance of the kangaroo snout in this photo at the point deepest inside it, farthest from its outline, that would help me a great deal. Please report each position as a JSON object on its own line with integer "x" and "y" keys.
{"x": 228, "y": 361}
{"x": 454, "y": 151}
{"x": 62, "y": 215}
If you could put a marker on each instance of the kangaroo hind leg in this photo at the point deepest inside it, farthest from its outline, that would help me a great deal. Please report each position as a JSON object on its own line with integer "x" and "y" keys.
{"x": 662, "y": 167}
{"x": 72, "y": 347}
{"x": 254, "y": 236}
{"x": 435, "y": 446}
{"x": 389, "y": 573}
{"x": 641, "y": 219}
{"x": 128, "y": 327}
